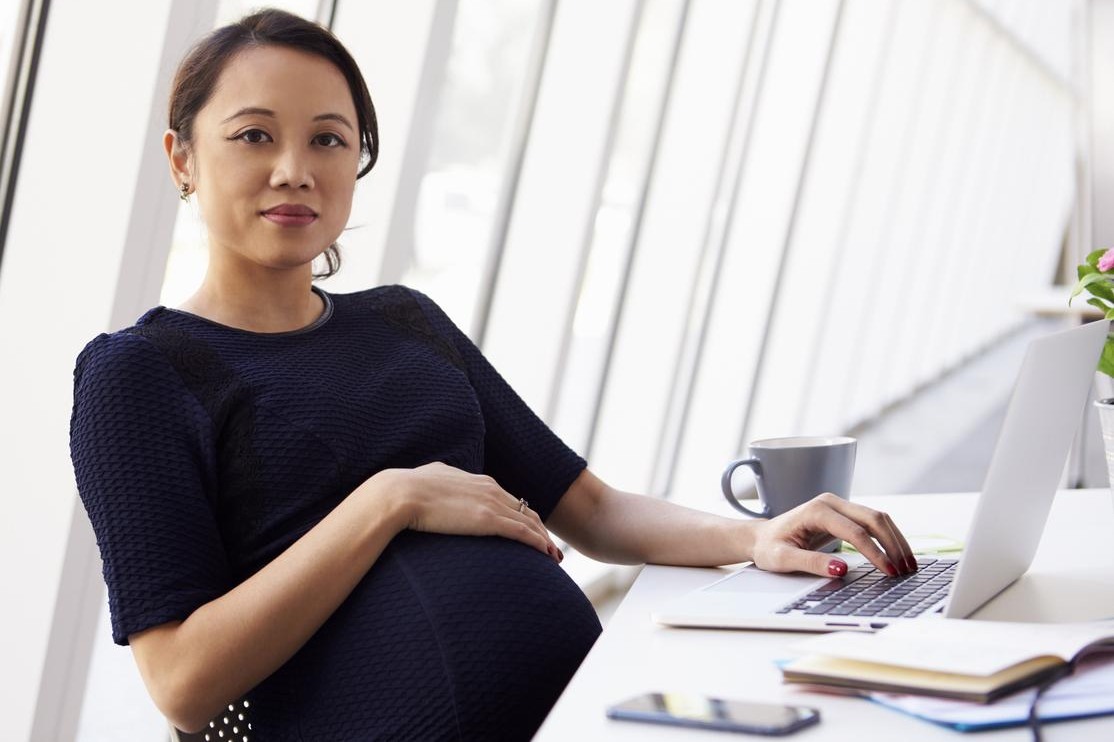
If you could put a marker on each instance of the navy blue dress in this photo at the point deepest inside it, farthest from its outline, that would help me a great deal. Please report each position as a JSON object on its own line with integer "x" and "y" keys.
{"x": 203, "y": 451}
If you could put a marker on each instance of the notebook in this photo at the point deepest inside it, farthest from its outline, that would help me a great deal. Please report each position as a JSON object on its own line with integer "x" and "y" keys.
{"x": 977, "y": 661}
{"x": 1045, "y": 408}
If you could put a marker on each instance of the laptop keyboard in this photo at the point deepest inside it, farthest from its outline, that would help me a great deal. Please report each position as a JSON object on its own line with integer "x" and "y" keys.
{"x": 866, "y": 591}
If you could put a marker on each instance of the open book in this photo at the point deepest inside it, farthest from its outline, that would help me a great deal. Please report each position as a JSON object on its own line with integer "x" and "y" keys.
{"x": 951, "y": 658}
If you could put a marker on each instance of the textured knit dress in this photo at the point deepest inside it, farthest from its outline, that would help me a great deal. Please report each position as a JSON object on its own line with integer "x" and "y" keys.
{"x": 203, "y": 451}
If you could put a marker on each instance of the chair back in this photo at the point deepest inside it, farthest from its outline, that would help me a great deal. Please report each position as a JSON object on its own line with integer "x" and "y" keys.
{"x": 231, "y": 725}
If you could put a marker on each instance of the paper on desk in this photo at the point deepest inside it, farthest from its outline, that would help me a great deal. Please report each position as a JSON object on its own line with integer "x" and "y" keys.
{"x": 921, "y": 544}
{"x": 1089, "y": 692}
{"x": 964, "y": 647}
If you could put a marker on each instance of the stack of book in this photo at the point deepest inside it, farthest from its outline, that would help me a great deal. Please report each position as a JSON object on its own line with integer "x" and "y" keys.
{"x": 978, "y": 662}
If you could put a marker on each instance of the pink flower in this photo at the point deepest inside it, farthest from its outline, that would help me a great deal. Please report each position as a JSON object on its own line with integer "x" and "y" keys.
{"x": 1106, "y": 262}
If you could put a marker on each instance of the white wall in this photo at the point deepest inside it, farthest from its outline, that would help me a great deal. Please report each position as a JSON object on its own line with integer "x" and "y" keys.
{"x": 390, "y": 42}
{"x": 78, "y": 261}
{"x": 1102, "y": 123}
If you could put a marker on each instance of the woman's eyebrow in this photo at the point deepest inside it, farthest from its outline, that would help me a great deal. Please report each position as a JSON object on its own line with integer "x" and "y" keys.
{"x": 250, "y": 111}
{"x": 257, "y": 111}
{"x": 334, "y": 117}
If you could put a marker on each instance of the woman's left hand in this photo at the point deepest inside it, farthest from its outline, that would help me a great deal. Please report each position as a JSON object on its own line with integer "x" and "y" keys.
{"x": 786, "y": 543}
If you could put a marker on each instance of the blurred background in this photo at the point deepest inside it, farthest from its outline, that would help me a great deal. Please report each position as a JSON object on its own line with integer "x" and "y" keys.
{"x": 675, "y": 226}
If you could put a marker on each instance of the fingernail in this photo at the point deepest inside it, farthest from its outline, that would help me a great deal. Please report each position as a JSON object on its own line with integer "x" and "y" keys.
{"x": 911, "y": 564}
{"x": 836, "y": 568}
{"x": 560, "y": 556}
{"x": 891, "y": 570}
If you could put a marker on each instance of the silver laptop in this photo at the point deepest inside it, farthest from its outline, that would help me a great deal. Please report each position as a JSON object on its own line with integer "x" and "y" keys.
{"x": 1024, "y": 474}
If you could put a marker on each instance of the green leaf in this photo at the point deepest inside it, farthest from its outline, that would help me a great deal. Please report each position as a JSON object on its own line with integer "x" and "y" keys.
{"x": 1090, "y": 267}
{"x": 1103, "y": 290}
{"x": 1091, "y": 280}
{"x": 1087, "y": 282}
{"x": 1106, "y": 362}
{"x": 1092, "y": 258}
{"x": 1100, "y": 305}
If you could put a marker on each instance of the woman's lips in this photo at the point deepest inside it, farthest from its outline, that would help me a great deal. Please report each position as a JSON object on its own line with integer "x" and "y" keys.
{"x": 290, "y": 215}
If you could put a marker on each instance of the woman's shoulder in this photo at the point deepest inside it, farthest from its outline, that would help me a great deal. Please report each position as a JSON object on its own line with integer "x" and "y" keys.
{"x": 127, "y": 351}
{"x": 410, "y": 311}
{"x": 399, "y": 304}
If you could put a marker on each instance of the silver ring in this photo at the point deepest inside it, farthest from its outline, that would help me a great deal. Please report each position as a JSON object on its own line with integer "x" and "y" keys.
{"x": 522, "y": 504}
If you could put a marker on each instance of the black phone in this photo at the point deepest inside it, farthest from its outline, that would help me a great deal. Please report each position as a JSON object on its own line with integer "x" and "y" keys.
{"x": 702, "y": 712}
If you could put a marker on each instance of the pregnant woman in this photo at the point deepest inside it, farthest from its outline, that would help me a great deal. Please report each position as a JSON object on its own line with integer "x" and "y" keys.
{"x": 331, "y": 504}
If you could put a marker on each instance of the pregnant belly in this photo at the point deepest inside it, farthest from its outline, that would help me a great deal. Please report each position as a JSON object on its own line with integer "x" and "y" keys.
{"x": 445, "y": 636}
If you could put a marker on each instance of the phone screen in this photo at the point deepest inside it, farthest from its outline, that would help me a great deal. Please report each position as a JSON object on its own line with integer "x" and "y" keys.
{"x": 686, "y": 709}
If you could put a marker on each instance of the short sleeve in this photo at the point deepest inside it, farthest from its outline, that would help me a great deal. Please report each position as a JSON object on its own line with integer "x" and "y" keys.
{"x": 520, "y": 451}
{"x": 143, "y": 455}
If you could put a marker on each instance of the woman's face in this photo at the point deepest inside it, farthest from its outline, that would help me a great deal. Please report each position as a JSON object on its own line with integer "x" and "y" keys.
{"x": 274, "y": 158}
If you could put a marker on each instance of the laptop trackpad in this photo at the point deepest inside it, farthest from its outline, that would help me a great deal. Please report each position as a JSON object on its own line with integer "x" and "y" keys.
{"x": 754, "y": 580}
{"x": 748, "y": 598}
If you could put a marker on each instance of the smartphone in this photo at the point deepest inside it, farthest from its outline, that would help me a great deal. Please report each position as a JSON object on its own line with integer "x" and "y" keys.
{"x": 689, "y": 710}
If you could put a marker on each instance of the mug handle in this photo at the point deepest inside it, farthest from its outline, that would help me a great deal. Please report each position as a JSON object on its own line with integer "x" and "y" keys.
{"x": 725, "y": 484}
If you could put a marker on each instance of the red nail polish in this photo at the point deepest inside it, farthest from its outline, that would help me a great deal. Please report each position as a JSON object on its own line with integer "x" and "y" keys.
{"x": 836, "y": 568}
{"x": 891, "y": 570}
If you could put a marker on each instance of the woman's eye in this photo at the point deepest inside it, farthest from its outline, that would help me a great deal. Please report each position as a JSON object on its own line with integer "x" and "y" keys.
{"x": 254, "y": 136}
{"x": 330, "y": 140}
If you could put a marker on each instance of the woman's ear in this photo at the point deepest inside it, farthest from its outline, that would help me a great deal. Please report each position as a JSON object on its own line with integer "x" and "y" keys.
{"x": 179, "y": 159}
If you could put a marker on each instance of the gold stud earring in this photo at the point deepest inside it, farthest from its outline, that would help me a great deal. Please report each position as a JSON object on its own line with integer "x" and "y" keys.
{"x": 184, "y": 192}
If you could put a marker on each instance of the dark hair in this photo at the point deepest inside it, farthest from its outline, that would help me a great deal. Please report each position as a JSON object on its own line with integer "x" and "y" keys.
{"x": 197, "y": 77}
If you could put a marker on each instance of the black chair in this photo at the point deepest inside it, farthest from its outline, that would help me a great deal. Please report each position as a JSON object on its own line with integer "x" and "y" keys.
{"x": 232, "y": 725}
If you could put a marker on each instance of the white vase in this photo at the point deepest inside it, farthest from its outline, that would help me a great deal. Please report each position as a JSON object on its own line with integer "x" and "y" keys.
{"x": 1104, "y": 386}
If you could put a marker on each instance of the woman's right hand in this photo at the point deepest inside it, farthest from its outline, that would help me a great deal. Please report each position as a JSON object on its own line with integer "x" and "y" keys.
{"x": 438, "y": 498}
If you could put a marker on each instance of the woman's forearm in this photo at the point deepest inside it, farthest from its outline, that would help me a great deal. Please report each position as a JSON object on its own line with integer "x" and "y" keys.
{"x": 646, "y": 529}
{"x": 615, "y": 526}
{"x": 634, "y": 529}
{"x": 195, "y": 667}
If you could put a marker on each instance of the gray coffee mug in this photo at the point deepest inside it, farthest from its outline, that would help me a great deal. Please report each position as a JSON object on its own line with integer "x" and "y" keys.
{"x": 791, "y": 471}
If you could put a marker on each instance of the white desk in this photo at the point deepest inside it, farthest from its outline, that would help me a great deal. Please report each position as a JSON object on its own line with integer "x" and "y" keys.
{"x": 1072, "y": 578}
